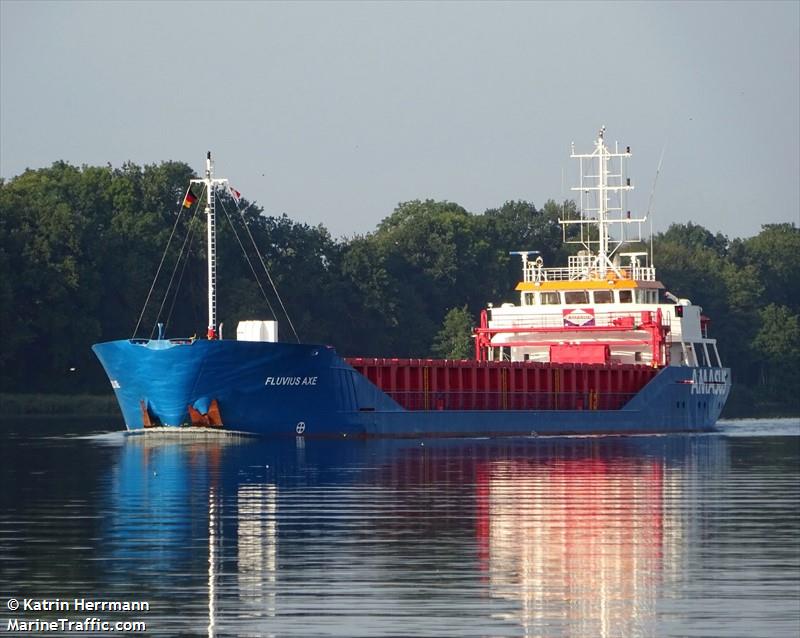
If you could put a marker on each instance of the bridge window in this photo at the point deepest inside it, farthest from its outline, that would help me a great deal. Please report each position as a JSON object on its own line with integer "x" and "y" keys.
{"x": 626, "y": 296}
{"x": 550, "y": 298}
{"x": 576, "y": 297}
{"x": 603, "y": 296}
{"x": 529, "y": 298}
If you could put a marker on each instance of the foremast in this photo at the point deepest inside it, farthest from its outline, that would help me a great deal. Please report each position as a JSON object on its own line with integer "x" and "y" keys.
{"x": 210, "y": 183}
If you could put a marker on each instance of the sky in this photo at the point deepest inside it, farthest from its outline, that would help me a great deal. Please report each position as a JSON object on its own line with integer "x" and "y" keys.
{"x": 333, "y": 113}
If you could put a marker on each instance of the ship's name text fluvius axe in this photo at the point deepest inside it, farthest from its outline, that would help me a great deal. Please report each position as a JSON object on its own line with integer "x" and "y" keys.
{"x": 276, "y": 381}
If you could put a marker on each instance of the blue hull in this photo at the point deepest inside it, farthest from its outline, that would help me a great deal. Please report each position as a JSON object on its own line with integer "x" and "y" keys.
{"x": 287, "y": 389}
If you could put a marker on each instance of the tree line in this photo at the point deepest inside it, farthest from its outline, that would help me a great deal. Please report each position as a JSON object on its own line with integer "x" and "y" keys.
{"x": 79, "y": 248}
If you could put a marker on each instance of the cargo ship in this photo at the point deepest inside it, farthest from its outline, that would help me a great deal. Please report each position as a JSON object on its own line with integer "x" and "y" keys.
{"x": 594, "y": 347}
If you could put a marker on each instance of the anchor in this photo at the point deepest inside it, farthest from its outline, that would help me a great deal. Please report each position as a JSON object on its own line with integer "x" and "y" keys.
{"x": 212, "y": 418}
{"x": 148, "y": 420}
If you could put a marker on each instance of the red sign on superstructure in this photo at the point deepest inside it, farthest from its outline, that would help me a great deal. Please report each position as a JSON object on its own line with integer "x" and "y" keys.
{"x": 578, "y": 317}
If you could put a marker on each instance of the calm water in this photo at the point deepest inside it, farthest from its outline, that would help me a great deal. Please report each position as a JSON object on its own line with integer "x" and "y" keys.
{"x": 607, "y": 536}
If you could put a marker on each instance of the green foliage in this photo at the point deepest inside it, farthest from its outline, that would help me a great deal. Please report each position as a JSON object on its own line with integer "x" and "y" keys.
{"x": 79, "y": 248}
{"x": 84, "y": 405}
{"x": 454, "y": 340}
{"x": 695, "y": 238}
{"x": 778, "y": 339}
{"x": 777, "y": 346}
{"x": 774, "y": 254}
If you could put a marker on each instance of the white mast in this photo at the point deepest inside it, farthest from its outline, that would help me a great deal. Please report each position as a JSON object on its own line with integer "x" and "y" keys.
{"x": 602, "y": 177}
{"x": 210, "y": 184}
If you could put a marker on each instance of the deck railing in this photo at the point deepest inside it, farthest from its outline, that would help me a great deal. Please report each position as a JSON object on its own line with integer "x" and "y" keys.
{"x": 578, "y": 268}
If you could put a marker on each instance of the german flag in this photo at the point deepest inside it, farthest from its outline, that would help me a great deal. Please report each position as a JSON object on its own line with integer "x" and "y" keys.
{"x": 190, "y": 199}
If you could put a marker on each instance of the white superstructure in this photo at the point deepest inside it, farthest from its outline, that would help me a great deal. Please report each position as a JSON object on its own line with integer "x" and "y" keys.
{"x": 605, "y": 306}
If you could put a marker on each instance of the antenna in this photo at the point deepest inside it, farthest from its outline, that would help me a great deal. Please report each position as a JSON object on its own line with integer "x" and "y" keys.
{"x": 655, "y": 180}
{"x": 652, "y": 254}
{"x": 650, "y": 202}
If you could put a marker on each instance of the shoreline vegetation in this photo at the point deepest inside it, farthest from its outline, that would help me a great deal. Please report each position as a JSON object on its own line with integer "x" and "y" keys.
{"x": 80, "y": 247}
{"x": 741, "y": 405}
{"x": 59, "y": 405}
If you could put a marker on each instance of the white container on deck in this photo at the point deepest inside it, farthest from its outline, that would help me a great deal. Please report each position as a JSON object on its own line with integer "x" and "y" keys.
{"x": 257, "y": 331}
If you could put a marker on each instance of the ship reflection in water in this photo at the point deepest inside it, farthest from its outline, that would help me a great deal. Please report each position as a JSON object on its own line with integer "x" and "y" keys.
{"x": 520, "y": 537}
{"x": 256, "y": 545}
{"x": 578, "y": 542}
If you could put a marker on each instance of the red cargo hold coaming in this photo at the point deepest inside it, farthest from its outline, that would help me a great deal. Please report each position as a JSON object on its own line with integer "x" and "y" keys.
{"x": 444, "y": 384}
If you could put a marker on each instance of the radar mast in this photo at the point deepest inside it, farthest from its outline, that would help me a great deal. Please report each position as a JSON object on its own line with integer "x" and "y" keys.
{"x": 603, "y": 187}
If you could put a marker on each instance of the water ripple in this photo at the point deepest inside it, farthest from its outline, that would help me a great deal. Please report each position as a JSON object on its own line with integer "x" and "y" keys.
{"x": 555, "y": 536}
